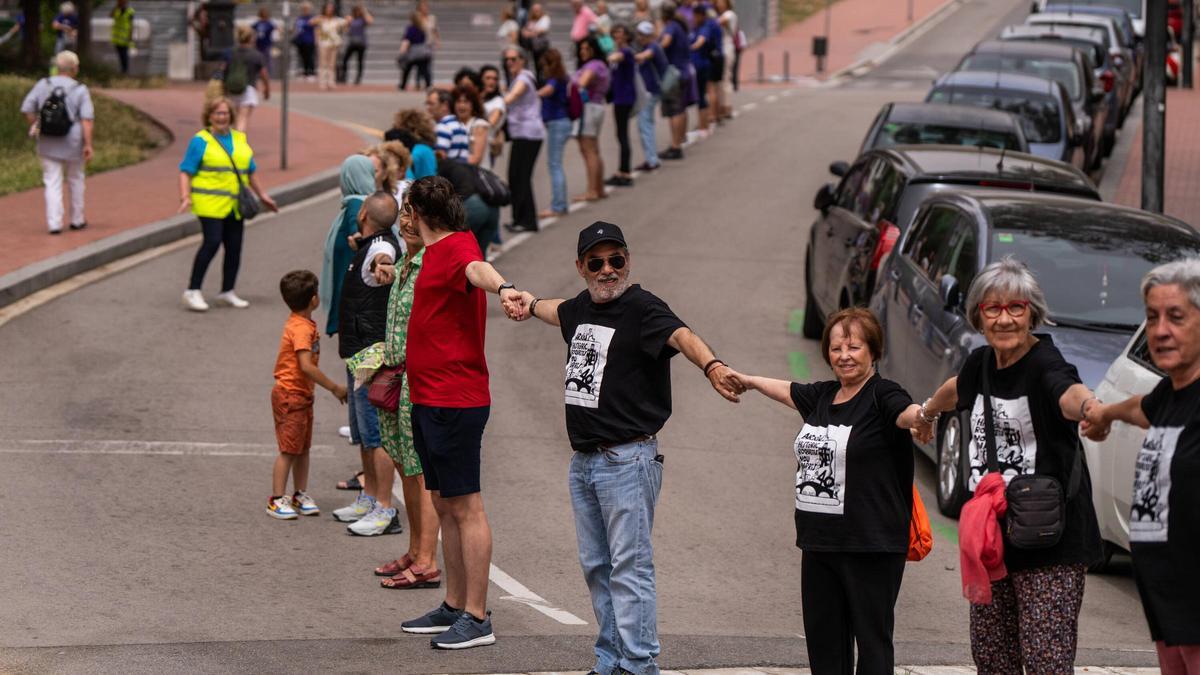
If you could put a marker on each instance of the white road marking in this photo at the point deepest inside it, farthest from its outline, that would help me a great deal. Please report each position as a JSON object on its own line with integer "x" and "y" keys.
{"x": 161, "y": 448}
{"x": 772, "y": 98}
{"x": 517, "y": 591}
{"x": 747, "y": 107}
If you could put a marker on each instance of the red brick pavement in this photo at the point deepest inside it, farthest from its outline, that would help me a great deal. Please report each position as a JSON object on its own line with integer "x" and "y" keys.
{"x": 1181, "y": 171}
{"x": 855, "y": 26}
{"x": 126, "y": 198}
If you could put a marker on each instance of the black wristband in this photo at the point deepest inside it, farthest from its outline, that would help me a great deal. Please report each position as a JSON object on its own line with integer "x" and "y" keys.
{"x": 533, "y": 307}
{"x": 709, "y": 366}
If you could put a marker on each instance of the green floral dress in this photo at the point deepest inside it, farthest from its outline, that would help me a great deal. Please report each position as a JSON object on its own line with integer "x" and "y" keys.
{"x": 396, "y": 428}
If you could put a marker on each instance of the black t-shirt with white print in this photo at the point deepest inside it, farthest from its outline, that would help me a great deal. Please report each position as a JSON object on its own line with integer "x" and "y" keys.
{"x": 618, "y": 375}
{"x": 1032, "y": 436}
{"x": 1164, "y": 520}
{"x": 854, "y": 469}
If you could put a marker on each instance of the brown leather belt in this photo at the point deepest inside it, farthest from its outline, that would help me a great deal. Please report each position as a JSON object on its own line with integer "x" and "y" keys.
{"x": 637, "y": 439}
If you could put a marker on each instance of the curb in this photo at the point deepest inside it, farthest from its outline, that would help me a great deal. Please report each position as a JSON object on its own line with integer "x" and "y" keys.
{"x": 896, "y": 41}
{"x": 45, "y": 273}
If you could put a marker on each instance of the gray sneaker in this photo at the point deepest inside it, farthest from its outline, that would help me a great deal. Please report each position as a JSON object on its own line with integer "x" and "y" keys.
{"x": 436, "y": 620}
{"x": 466, "y": 633}
{"x": 361, "y": 507}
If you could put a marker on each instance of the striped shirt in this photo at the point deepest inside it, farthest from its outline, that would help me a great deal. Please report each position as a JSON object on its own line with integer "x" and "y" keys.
{"x": 453, "y": 139}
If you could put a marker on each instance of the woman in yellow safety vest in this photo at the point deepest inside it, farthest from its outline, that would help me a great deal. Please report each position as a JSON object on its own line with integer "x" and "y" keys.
{"x": 122, "y": 33}
{"x": 208, "y": 186}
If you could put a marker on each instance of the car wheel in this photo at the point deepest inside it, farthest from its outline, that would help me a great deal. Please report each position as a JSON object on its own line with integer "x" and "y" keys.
{"x": 1107, "y": 549}
{"x": 951, "y": 482}
{"x": 813, "y": 325}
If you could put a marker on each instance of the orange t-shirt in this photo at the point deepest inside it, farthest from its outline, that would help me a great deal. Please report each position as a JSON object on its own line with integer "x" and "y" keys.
{"x": 299, "y": 334}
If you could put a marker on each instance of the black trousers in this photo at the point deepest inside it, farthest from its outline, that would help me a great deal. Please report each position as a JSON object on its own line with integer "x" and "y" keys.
{"x": 123, "y": 58}
{"x": 308, "y": 58}
{"x": 358, "y": 50}
{"x": 622, "y": 113}
{"x": 218, "y": 231}
{"x": 423, "y": 73}
{"x": 849, "y": 599}
{"x": 520, "y": 181}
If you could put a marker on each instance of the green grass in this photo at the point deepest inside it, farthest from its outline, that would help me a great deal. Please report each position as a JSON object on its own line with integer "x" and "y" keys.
{"x": 795, "y": 11}
{"x": 123, "y": 136}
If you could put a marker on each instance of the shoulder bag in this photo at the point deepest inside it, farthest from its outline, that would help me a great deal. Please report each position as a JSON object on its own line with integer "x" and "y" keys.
{"x": 384, "y": 390}
{"x": 247, "y": 203}
{"x": 1037, "y": 504}
{"x": 491, "y": 188}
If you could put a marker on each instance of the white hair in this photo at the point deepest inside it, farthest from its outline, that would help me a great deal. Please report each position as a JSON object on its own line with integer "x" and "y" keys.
{"x": 67, "y": 8}
{"x": 1012, "y": 278}
{"x": 67, "y": 60}
{"x": 1182, "y": 273}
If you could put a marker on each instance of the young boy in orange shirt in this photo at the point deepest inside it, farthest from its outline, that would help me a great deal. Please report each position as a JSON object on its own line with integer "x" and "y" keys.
{"x": 296, "y": 371}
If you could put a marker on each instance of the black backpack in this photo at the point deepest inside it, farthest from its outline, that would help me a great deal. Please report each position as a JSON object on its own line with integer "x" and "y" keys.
{"x": 54, "y": 119}
{"x": 237, "y": 76}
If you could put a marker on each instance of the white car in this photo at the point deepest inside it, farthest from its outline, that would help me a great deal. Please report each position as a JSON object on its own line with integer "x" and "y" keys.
{"x": 1136, "y": 9}
{"x": 1111, "y": 462}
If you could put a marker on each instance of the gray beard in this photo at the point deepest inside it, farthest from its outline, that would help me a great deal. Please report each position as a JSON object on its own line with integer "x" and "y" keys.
{"x": 603, "y": 295}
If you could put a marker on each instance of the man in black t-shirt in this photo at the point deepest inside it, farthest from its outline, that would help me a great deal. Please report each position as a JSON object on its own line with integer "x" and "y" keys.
{"x": 617, "y": 386}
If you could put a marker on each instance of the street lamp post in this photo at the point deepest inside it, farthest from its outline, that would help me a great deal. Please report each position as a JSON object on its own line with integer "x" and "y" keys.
{"x": 285, "y": 69}
{"x": 1154, "y": 105}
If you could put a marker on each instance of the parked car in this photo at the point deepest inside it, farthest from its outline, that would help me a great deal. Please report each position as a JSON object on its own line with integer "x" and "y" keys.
{"x": 1119, "y": 49}
{"x": 1089, "y": 257}
{"x": 1135, "y": 8}
{"x": 1058, "y": 62}
{"x": 1112, "y": 461}
{"x": 1094, "y": 43}
{"x": 1046, "y": 114}
{"x": 1124, "y": 23}
{"x": 924, "y": 124}
{"x": 862, "y": 217}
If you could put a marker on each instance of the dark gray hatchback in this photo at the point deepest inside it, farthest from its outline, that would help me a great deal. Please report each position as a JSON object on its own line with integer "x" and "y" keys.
{"x": 1089, "y": 258}
{"x": 861, "y": 218}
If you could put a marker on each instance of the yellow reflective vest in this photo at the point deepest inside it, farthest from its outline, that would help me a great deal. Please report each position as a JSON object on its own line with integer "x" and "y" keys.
{"x": 215, "y": 185}
{"x": 122, "y": 27}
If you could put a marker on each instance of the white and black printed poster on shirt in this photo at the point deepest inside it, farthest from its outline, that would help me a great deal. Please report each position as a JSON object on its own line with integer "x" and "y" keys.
{"x": 821, "y": 468}
{"x": 1152, "y": 485}
{"x": 585, "y": 364}
{"x": 1016, "y": 446}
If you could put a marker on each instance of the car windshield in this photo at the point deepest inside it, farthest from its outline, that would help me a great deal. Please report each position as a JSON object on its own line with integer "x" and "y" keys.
{"x": 1091, "y": 271}
{"x": 1080, "y": 23}
{"x": 1039, "y": 114}
{"x": 1134, "y": 7}
{"x": 917, "y": 133}
{"x": 1048, "y": 69}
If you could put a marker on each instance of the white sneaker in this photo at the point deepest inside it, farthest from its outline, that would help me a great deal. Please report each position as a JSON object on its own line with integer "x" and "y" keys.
{"x": 344, "y": 432}
{"x": 194, "y": 300}
{"x": 281, "y": 508}
{"x": 373, "y": 524}
{"x": 361, "y": 507}
{"x": 304, "y": 505}
{"x": 232, "y": 300}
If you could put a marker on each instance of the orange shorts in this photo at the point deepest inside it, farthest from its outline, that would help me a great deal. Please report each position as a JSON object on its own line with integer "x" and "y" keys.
{"x": 293, "y": 414}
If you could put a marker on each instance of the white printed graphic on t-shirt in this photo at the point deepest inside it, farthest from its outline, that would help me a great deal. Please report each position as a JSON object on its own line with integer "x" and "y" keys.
{"x": 1016, "y": 446}
{"x": 821, "y": 468}
{"x": 1152, "y": 485}
{"x": 586, "y": 358}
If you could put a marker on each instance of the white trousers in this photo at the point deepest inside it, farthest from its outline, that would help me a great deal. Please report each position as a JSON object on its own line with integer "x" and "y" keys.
{"x": 52, "y": 176}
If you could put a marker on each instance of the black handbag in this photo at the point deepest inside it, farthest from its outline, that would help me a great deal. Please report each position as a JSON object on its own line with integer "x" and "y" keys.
{"x": 491, "y": 188}
{"x": 248, "y": 204}
{"x": 1037, "y": 506}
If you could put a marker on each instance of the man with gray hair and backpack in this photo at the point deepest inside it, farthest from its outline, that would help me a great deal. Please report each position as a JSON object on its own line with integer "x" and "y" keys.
{"x": 59, "y": 108}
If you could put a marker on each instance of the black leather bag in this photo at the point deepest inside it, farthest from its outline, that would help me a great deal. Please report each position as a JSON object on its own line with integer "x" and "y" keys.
{"x": 1037, "y": 504}
{"x": 491, "y": 188}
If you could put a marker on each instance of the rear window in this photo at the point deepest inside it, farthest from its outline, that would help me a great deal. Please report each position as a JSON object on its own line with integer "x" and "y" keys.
{"x": 1039, "y": 114}
{"x": 1134, "y": 7}
{"x": 1057, "y": 70}
{"x": 916, "y": 133}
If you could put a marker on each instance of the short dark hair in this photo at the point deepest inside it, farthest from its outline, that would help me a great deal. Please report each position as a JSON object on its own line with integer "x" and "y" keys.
{"x": 381, "y": 209}
{"x": 433, "y": 198}
{"x": 872, "y": 332}
{"x": 443, "y": 95}
{"x": 470, "y": 74}
{"x": 470, "y": 93}
{"x": 298, "y": 288}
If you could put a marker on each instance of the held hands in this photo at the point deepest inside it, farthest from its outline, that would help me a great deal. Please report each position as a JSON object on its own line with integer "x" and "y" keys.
{"x": 922, "y": 431}
{"x": 516, "y": 304}
{"x": 1095, "y": 425}
{"x": 384, "y": 273}
{"x": 339, "y": 392}
{"x": 353, "y": 240}
{"x": 728, "y": 382}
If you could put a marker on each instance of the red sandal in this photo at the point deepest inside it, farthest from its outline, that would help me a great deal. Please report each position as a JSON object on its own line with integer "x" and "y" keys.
{"x": 394, "y": 567}
{"x": 414, "y": 577}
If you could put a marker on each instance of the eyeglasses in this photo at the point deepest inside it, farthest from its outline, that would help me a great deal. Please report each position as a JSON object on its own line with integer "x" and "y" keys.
{"x": 615, "y": 261}
{"x": 1015, "y": 309}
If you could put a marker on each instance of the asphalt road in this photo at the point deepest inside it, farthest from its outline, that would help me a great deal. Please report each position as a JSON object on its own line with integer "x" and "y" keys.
{"x": 136, "y": 441}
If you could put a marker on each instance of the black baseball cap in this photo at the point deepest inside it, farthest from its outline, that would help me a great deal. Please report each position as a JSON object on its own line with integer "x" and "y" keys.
{"x": 599, "y": 232}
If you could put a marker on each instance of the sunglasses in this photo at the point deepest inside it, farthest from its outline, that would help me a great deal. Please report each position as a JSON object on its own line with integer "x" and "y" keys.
{"x": 615, "y": 261}
{"x": 1015, "y": 309}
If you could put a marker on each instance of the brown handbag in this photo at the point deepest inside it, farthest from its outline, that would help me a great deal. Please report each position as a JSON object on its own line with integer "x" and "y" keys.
{"x": 384, "y": 390}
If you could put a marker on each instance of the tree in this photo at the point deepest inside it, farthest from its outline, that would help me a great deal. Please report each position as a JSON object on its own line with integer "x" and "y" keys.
{"x": 83, "y": 42}
{"x": 31, "y": 38}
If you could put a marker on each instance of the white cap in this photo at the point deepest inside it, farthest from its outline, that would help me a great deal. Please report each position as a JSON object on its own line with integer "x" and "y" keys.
{"x": 645, "y": 28}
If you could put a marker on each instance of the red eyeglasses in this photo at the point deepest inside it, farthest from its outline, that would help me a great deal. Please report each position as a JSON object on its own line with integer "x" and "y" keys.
{"x": 1015, "y": 309}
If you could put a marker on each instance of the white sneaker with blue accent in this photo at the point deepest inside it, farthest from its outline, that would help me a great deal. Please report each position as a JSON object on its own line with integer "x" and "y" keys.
{"x": 361, "y": 507}
{"x": 304, "y": 505}
{"x": 281, "y": 508}
{"x": 378, "y": 521}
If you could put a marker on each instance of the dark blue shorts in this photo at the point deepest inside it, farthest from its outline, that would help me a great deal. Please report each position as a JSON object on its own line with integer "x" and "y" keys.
{"x": 447, "y": 441}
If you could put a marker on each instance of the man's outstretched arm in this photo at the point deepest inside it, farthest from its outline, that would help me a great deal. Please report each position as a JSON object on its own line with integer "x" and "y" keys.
{"x": 719, "y": 375}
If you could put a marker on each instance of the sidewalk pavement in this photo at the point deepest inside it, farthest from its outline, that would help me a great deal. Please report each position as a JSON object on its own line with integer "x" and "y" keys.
{"x": 1181, "y": 172}
{"x": 859, "y": 30}
{"x": 900, "y": 670}
{"x": 122, "y": 203}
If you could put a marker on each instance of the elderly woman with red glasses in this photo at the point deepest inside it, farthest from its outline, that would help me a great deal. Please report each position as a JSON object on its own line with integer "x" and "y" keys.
{"x": 1037, "y": 400}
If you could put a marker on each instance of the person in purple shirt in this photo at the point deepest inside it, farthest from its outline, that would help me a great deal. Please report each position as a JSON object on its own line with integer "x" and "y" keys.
{"x": 591, "y": 79}
{"x": 652, "y": 64}
{"x": 624, "y": 96}
{"x": 705, "y": 40}
{"x": 306, "y": 41}
{"x": 264, "y": 34}
{"x": 66, "y": 27}
{"x": 677, "y": 47}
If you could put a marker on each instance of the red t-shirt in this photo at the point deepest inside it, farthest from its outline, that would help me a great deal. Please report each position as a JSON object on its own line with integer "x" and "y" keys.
{"x": 445, "y": 363}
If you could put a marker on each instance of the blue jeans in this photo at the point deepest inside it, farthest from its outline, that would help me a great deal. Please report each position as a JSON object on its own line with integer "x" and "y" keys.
{"x": 557, "y": 133}
{"x": 364, "y": 419}
{"x": 613, "y": 493}
{"x": 646, "y": 130}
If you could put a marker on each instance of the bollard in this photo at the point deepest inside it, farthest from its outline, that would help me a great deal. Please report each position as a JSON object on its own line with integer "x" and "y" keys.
{"x": 760, "y": 67}
{"x": 787, "y": 66}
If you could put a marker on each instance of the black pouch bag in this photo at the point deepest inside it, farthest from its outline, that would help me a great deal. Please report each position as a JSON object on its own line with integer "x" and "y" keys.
{"x": 1037, "y": 505}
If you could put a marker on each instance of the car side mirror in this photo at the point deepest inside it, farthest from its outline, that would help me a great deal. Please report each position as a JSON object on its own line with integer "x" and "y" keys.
{"x": 949, "y": 291}
{"x": 824, "y": 198}
{"x": 839, "y": 168}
